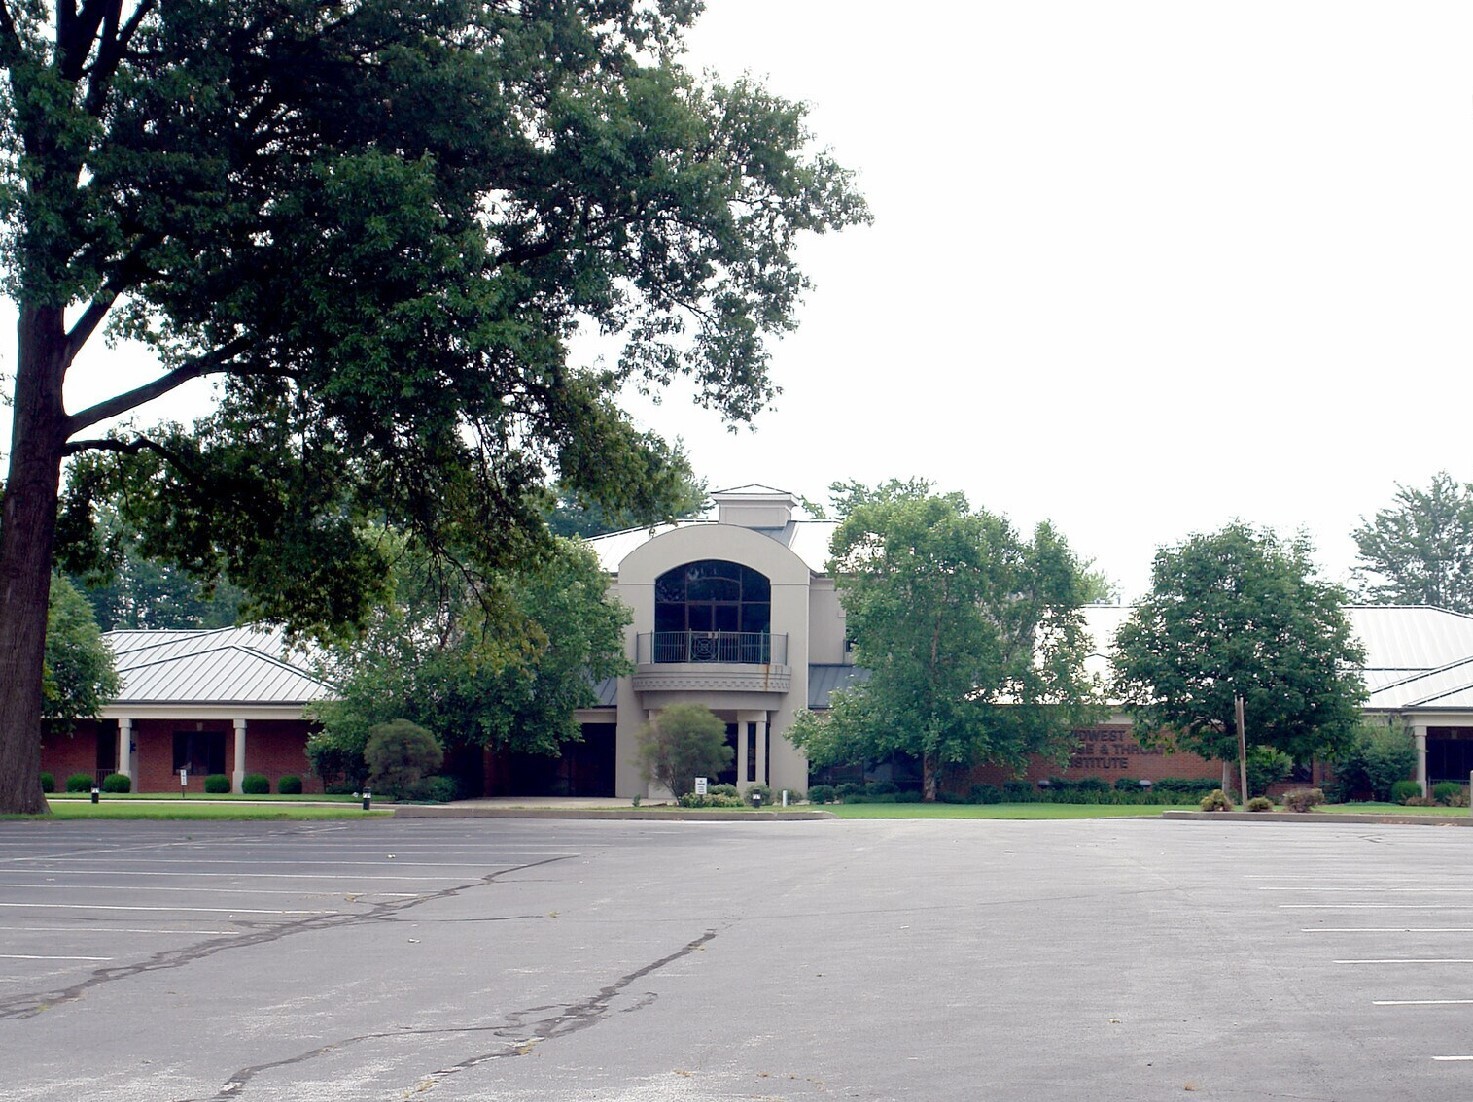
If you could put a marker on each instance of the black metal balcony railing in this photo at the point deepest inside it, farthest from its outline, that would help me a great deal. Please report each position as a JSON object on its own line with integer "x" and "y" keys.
{"x": 751, "y": 647}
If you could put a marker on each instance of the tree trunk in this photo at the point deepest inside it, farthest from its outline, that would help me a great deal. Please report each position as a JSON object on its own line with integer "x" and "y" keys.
{"x": 930, "y": 767}
{"x": 27, "y": 533}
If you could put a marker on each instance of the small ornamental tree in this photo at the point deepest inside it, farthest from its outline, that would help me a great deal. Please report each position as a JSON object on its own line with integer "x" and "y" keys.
{"x": 685, "y": 741}
{"x": 400, "y": 754}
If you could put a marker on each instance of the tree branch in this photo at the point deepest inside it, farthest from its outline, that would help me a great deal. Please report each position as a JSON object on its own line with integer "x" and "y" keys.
{"x": 11, "y": 50}
{"x": 87, "y": 324}
{"x": 209, "y": 364}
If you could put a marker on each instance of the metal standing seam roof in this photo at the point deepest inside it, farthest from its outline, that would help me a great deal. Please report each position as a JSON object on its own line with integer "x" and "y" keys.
{"x": 223, "y": 666}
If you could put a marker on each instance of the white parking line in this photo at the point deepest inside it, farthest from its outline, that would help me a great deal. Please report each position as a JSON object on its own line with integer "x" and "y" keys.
{"x": 1410, "y": 960}
{"x": 105, "y": 930}
{"x": 166, "y": 910}
{"x": 1373, "y": 906}
{"x": 32, "y": 956}
{"x": 1358, "y": 888}
{"x": 1387, "y": 930}
{"x": 239, "y": 875}
{"x": 216, "y": 891}
{"x": 1421, "y": 1002}
{"x": 1452, "y": 1057}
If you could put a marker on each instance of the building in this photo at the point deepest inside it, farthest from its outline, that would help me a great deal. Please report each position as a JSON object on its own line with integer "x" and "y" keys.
{"x": 734, "y": 611}
{"x": 229, "y": 701}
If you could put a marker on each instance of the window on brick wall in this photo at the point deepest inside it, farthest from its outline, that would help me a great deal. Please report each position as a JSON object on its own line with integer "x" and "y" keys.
{"x": 199, "y": 751}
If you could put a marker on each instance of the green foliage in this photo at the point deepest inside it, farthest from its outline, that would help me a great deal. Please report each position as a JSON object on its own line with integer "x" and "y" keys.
{"x": 290, "y": 785}
{"x": 1402, "y": 791}
{"x": 1216, "y": 800}
{"x": 685, "y": 741}
{"x": 79, "y": 782}
{"x": 399, "y": 754}
{"x": 1303, "y": 799}
{"x": 255, "y": 784}
{"x": 985, "y": 794}
{"x": 503, "y": 662}
{"x": 217, "y": 784}
{"x": 1449, "y": 794}
{"x": 723, "y": 790}
{"x": 378, "y": 227}
{"x": 759, "y": 792}
{"x": 972, "y": 635}
{"x": 79, "y": 676}
{"x": 1377, "y": 757}
{"x": 1240, "y": 612}
{"x": 673, "y": 492}
{"x": 1419, "y": 550}
{"x": 710, "y": 799}
{"x": 48, "y": 782}
{"x": 821, "y": 794}
{"x": 117, "y": 782}
{"x": 440, "y": 790}
{"x": 1267, "y": 766}
{"x": 1260, "y": 803}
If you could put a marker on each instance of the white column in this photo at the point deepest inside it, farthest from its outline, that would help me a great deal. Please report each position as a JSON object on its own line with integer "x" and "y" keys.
{"x": 742, "y": 759}
{"x": 762, "y": 750}
{"x": 125, "y": 747}
{"x": 240, "y": 746}
{"x": 1419, "y": 735}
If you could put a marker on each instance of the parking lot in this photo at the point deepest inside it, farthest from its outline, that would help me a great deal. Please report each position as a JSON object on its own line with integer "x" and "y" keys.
{"x": 636, "y": 960}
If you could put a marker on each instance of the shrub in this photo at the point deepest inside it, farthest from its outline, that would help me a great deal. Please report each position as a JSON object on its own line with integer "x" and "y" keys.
{"x": 48, "y": 783}
{"x": 341, "y": 788}
{"x": 290, "y": 785}
{"x": 821, "y": 794}
{"x": 911, "y": 797}
{"x": 1419, "y": 801}
{"x": 1267, "y": 766}
{"x": 117, "y": 782}
{"x": 1216, "y": 800}
{"x": 684, "y": 742}
{"x": 795, "y": 796}
{"x": 848, "y": 790}
{"x": 985, "y": 794}
{"x": 1377, "y": 757}
{"x": 217, "y": 783}
{"x": 79, "y": 782}
{"x": 254, "y": 784}
{"x": 399, "y": 755}
{"x": 1447, "y": 793}
{"x": 881, "y": 788}
{"x": 722, "y": 790}
{"x": 1127, "y": 784}
{"x": 756, "y": 790}
{"x": 1019, "y": 792}
{"x": 710, "y": 799}
{"x": 1402, "y": 791}
{"x": 1260, "y": 803}
{"x": 440, "y": 790}
{"x": 1302, "y": 799}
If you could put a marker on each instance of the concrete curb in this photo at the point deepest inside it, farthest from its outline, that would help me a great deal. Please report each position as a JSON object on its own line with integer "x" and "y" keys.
{"x": 450, "y": 811}
{"x": 1312, "y": 817}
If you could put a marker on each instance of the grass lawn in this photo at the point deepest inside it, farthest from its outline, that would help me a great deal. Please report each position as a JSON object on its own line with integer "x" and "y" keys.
{"x": 1391, "y": 809}
{"x": 111, "y": 808}
{"x": 1003, "y": 811}
{"x": 272, "y": 797}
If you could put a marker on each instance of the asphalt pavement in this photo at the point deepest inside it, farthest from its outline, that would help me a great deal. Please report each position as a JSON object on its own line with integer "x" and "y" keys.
{"x": 634, "y": 961}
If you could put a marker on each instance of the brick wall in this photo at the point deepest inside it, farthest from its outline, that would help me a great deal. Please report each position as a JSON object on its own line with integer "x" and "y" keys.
{"x": 274, "y": 747}
{"x": 1110, "y": 752}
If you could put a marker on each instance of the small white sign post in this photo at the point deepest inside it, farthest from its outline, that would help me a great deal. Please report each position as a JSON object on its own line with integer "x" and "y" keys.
{"x": 700, "y": 786}
{"x": 184, "y": 784}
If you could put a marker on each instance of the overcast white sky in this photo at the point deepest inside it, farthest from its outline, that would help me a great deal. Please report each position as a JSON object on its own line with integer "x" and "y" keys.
{"x": 1136, "y": 267}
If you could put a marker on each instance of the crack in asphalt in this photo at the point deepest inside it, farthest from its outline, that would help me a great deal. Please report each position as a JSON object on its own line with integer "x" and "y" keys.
{"x": 519, "y": 1033}
{"x": 28, "y": 1004}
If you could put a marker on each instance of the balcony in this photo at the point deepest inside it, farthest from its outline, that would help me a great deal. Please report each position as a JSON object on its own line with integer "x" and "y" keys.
{"x": 732, "y": 661}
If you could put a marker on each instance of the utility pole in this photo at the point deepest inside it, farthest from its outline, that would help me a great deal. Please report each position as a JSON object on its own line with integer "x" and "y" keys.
{"x": 1242, "y": 749}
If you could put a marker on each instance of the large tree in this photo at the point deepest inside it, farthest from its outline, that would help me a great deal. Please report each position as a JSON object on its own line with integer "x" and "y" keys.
{"x": 1419, "y": 550}
{"x": 1240, "y": 612}
{"x": 375, "y": 224}
{"x": 502, "y": 661}
{"x": 972, "y": 635}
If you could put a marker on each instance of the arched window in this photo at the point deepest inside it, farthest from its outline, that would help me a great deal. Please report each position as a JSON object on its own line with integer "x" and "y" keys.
{"x": 713, "y": 595}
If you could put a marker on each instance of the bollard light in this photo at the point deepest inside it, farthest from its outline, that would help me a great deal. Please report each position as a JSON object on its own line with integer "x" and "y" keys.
{"x": 757, "y": 799}
{"x": 367, "y": 799}
{"x": 95, "y": 790}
